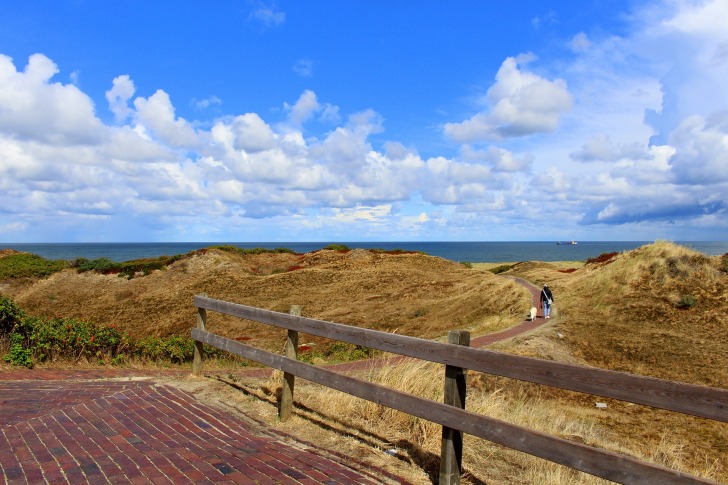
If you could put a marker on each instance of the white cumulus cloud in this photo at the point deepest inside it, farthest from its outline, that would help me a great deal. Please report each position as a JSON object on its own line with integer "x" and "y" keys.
{"x": 520, "y": 103}
{"x": 157, "y": 114}
{"x": 304, "y": 108}
{"x": 118, "y": 96}
{"x": 34, "y": 107}
{"x": 701, "y": 146}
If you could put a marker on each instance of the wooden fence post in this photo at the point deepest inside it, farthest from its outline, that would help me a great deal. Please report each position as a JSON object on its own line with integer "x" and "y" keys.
{"x": 201, "y": 325}
{"x": 451, "y": 455}
{"x": 285, "y": 406}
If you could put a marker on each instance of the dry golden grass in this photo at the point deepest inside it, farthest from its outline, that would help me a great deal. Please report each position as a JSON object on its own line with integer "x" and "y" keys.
{"x": 605, "y": 313}
{"x": 367, "y": 430}
{"x": 630, "y": 313}
{"x": 625, "y": 314}
{"x": 412, "y": 294}
{"x": 324, "y": 415}
{"x": 635, "y": 314}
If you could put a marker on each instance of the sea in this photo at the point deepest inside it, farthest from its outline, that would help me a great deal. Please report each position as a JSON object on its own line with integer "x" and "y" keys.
{"x": 472, "y": 252}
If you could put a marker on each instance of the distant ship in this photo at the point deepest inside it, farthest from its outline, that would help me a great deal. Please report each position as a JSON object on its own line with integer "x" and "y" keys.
{"x": 567, "y": 243}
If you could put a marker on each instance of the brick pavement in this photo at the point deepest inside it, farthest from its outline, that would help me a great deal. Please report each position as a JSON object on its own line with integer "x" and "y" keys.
{"x": 78, "y": 426}
{"x": 83, "y": 429}
{"x": 523, "y": 327}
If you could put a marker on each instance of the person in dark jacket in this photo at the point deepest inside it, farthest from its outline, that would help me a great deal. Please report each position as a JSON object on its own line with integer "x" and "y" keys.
{"x": 546, "y": 300}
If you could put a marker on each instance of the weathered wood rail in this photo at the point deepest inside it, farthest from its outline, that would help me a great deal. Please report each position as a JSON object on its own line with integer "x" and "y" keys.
{"x": 701, "y": 401}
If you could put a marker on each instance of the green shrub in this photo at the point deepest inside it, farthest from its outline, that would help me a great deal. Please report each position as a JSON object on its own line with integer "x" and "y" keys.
{"x": 176, "y": 349}
{"x": 254, "y": 251}
{"x": 24, "y": 265}
{"x": 395, "y": 251}
{"x": 338, "y": 247}
{"x": 60, "y": 338}
{"x": 128, "y": 269}
{"x": 501, "y": 269}
{"x": 18, "y": 354}
{"x": 146, "y": 266}
{"x": 338, "y": 352}
{"x": 467, "y": 264}
{"x": 243, "y": 251}
{"x": 10, "y": 315}
{"x": 102, "y": 265}
{"x": 55, "y": 339}
{"x": 687, "y": 301}
{"x": 226, "y": 247}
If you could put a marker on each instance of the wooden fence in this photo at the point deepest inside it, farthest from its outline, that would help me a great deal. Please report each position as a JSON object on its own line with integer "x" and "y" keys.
{"x": 705, "y": 402}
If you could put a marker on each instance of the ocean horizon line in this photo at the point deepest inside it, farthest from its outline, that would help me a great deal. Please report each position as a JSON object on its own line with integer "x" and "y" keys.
{"x": 461, "y": 251}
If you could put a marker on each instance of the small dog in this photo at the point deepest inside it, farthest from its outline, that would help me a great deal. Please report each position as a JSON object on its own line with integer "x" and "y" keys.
{"x": 533, "y": 313}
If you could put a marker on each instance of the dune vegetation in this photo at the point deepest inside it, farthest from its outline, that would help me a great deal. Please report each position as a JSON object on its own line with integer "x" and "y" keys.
{"x": 623, "y": 312}
{"x": 660, "y": 310}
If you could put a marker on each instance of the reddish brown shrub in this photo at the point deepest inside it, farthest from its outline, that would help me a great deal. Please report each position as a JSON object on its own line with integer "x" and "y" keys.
{"x": 602, "y": 258}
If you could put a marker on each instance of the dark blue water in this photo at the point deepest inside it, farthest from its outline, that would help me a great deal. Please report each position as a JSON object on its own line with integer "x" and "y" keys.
{"x": 474, "y": 252}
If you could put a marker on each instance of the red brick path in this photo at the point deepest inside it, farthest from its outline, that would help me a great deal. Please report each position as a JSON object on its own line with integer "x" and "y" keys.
{"x": 77, "y": 426}
{"x": 522, "y": 327}
{"x": 71, "y": 427}
{"x": 482, "y": 341}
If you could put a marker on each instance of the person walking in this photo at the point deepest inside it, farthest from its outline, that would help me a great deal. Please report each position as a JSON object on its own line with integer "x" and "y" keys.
{"x": 547, "y": 298}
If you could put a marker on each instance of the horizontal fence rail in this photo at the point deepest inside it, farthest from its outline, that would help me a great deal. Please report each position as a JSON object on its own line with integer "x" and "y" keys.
{"x": 698, "y": 400}
{"x": 701, "y": 401}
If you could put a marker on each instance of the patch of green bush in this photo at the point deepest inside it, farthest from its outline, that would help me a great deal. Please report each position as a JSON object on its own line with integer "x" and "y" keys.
{"x": 395, "y": 251}
{"x": 337, "y": 247}
{"x": 226, "y": 247}
{"x": 24, "y": 265}
{"x": 128, "y": 269}
{"x": 467, "y": 264}
{"x": 338, "y": 352}
{"x": 176, "y": 349}
{"x": 501, "y": 269}
{"x": 687, "y": 301}
{"x": 246, "y": 251}
{"x": 102, "y": 265}
{"x": 146, "y": 266}
{"x": 10, "y": 315}
{"x": 18, "y": 354}
{"x": 68, "y": 338}
{"x": 39, "y": 340}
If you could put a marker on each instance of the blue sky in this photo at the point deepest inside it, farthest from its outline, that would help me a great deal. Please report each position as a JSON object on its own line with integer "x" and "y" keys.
{"x": 363, "y": 121}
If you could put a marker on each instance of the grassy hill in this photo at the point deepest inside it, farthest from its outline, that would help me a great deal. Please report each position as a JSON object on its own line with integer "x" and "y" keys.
{"x": 413, "y": 294}
{"x": 660, "y": 310}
